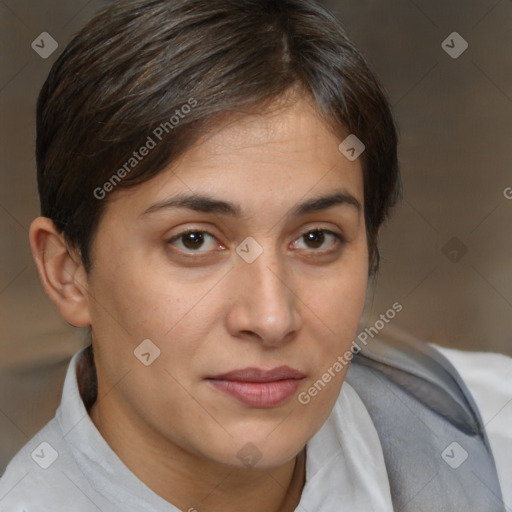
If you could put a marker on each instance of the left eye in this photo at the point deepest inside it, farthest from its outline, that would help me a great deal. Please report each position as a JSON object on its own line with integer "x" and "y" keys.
{"x": 316, "y": 238}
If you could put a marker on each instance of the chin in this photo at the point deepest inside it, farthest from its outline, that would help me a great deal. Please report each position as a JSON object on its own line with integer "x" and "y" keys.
{"x": 262, "y": 452}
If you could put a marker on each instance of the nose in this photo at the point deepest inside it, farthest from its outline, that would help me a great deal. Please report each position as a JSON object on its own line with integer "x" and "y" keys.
{"x": 264, "y": 305}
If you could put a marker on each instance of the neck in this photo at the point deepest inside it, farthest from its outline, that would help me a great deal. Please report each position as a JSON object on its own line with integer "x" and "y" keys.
{"x": 192, "y": 483}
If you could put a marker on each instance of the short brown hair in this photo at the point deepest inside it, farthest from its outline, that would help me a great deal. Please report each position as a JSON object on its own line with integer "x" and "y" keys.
{"x": 139, "y": 62}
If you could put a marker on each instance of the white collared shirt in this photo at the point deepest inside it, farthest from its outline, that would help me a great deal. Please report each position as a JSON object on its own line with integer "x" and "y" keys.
{"x": 68, "y": 466}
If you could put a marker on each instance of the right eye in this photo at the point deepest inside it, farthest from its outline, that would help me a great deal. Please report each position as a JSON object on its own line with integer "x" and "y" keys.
{"x": 192, "y": 240}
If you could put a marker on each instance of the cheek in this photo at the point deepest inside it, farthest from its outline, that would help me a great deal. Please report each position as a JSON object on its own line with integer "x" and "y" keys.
{"x": 139, "y": 300}
{"x": 338, "y": 299}
{"x": 340, "y": 315}
{"x": 336, "y": 307}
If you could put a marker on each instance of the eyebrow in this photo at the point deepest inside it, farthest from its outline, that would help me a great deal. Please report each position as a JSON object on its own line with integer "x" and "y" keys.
{"x": 209, "y": 204}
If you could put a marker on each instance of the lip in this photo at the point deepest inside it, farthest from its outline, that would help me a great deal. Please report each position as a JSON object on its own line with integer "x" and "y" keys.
{"x": 259, "y": 388}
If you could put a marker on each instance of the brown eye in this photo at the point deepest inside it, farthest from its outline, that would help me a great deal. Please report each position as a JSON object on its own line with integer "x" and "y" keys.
{"x": 314, "y": 239}
{"x": 194, "y": 241}
{"x": 319, "y": 240}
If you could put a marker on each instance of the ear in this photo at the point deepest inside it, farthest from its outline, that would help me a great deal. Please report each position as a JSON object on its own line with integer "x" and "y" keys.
{"x": 61, "y": 272}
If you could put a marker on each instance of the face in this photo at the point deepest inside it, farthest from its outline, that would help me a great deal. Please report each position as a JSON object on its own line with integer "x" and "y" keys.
{"x": 248, "y": 289}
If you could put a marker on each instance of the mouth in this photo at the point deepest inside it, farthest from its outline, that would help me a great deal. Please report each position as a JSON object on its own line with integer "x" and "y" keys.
{"x": 259, "y": 388}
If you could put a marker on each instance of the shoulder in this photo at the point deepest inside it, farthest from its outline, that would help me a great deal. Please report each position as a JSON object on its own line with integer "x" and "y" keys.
{"x": 488, "y": 377}
{"x": 31, "y": 476}
{"x": 45, "y": 475}
{"x": 483, "y": 372}
{"x": 470, "y": 393}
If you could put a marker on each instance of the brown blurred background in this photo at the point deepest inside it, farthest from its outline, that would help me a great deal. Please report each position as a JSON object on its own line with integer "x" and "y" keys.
{"x": 446, "y": 255}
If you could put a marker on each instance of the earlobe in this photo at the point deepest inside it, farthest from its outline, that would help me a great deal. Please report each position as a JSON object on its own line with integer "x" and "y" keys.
{"x": 61, "y": 272}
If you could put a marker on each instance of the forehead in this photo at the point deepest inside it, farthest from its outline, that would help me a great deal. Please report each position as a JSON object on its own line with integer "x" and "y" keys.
{"x": 279, "y": 132}
{"x": 281, "y": 155}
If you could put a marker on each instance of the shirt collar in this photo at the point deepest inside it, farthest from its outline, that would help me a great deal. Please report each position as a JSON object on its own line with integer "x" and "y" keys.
{"x": 344, "y": 461}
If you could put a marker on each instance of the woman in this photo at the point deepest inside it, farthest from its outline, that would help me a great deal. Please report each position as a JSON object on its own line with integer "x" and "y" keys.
{"x": 213, "y": 177}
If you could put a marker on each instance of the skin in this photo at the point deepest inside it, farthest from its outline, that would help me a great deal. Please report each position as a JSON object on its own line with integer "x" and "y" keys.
{"x": 209, "y": 311}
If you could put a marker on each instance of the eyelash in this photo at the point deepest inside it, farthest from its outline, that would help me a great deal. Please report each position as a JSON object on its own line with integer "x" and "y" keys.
{"x": 340, "y": 241}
